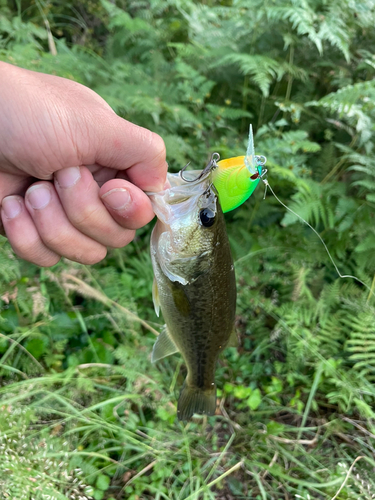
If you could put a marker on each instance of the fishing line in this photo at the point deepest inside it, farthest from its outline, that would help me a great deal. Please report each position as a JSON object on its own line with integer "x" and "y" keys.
{"x": 318, "y": 235}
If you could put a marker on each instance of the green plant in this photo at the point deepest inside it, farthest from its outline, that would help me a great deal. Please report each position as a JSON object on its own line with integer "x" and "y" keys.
{"x": 296, "y": 397}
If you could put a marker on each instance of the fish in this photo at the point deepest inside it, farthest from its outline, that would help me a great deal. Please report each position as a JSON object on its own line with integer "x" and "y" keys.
{"x": 194, "y": 284}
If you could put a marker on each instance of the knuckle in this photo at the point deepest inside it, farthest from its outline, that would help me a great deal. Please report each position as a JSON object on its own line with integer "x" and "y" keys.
{"x": 26, "y": 249}
{"x": 95, "y": 257}
{"x": 37, "y": 254}
{"x": 153, "y": 142}
{"x": 83, "y": 252}
{"x": 159, "y": 146}
{"x": 87, "y": 215}
{"x": 90, "y": 257}
{"x": 79, "y": 250}
{"x": 48, "y": 261}
{"x": 124, "y": 239}
{"x": 54, "y": 241}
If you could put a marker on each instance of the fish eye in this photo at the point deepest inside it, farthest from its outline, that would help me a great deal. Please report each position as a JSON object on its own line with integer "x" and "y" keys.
{"x": 207, "y": 217}
{"x": 254, "y": 176}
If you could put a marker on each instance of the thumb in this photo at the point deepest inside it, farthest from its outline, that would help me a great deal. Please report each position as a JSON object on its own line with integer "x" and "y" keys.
{"x": 122, "y": 145}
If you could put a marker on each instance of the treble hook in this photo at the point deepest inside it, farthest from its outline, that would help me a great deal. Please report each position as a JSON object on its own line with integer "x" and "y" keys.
{"x": 211, "y": 166}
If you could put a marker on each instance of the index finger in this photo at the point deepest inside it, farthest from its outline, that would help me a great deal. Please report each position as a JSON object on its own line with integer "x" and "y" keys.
{"x": 125, "y": 146}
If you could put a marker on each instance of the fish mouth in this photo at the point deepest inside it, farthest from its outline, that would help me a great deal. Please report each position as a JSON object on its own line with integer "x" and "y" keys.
{"x": 179, "y": 203}
{"x": 189, "y": 178}
{"x": 183, "y": 191}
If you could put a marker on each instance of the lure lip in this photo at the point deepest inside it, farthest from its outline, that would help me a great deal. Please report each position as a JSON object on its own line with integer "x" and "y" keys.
{"x": 250, "y": 153}
{"x": 253, "y": 162}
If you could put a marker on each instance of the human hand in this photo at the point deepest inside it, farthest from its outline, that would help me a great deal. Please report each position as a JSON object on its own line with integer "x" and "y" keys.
{"x": 72, "y": 173}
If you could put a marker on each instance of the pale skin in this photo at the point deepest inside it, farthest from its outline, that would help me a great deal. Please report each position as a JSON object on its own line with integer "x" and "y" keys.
{"x": 72, "y": 173}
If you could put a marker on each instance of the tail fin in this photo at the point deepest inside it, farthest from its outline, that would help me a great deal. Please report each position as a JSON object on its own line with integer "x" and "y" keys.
{"x": 195, "y": 400}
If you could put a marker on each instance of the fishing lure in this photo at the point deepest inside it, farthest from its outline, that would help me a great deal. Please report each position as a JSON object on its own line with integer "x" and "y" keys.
{"x": 235, "y": 179}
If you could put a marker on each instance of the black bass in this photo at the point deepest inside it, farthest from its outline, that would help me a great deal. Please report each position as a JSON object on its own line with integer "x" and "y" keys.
{"x": 194, "y": 285}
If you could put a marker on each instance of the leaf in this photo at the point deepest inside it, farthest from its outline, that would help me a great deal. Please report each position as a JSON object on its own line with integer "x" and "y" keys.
{"x": 255, "y": 399}
{"x": 262, "y": 69}
{"x": 36, "y": 347}
{"x": 103, "y": 482}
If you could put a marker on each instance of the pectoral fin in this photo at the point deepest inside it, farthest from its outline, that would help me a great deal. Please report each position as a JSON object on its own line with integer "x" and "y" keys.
{"x": 163, "y": 347}
{"x": 155, "y": 297}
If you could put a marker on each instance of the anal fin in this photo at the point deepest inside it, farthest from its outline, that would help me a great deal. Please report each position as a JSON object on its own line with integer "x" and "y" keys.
{"x": 163, "y": 347}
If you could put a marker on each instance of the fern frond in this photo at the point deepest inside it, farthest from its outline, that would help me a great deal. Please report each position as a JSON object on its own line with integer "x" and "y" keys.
{"x": 262, "y": 69}
{"x": 362, "y": 342}
{"x": 303, "y": 20}
{"x": 308, "y": 203}
{"x": 228, "y": 112}
{"x": 332, "y": 29}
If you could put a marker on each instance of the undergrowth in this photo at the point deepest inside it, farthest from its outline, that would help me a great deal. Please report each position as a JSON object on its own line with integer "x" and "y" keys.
{"x": 83, "y": 412}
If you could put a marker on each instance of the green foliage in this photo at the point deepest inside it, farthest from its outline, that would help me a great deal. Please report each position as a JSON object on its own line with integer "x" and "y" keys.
{"x": 362, "y": 341}
{"x": 35, "y": 464}
{"x": 78, "y": 394}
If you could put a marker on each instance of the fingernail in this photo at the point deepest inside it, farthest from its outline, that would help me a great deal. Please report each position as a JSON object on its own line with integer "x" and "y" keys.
{"x": 67, "y": 177}
{"x": 11, "y": 206}
{"x": 39, "y": 196}
{"x": 117, "y": 199}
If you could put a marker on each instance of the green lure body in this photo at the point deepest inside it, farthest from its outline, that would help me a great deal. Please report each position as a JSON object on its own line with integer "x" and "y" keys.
{"x": 235, "y": 179}
{"x": 234, "y": 182}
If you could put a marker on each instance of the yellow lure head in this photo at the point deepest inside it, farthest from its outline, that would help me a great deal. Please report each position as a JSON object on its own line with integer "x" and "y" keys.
{"x": 235, "y": 179}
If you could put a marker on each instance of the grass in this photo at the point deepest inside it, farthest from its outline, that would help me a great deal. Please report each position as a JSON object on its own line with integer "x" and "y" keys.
{"x": 91, "y": 427}
{"x": 84, "y": 414}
